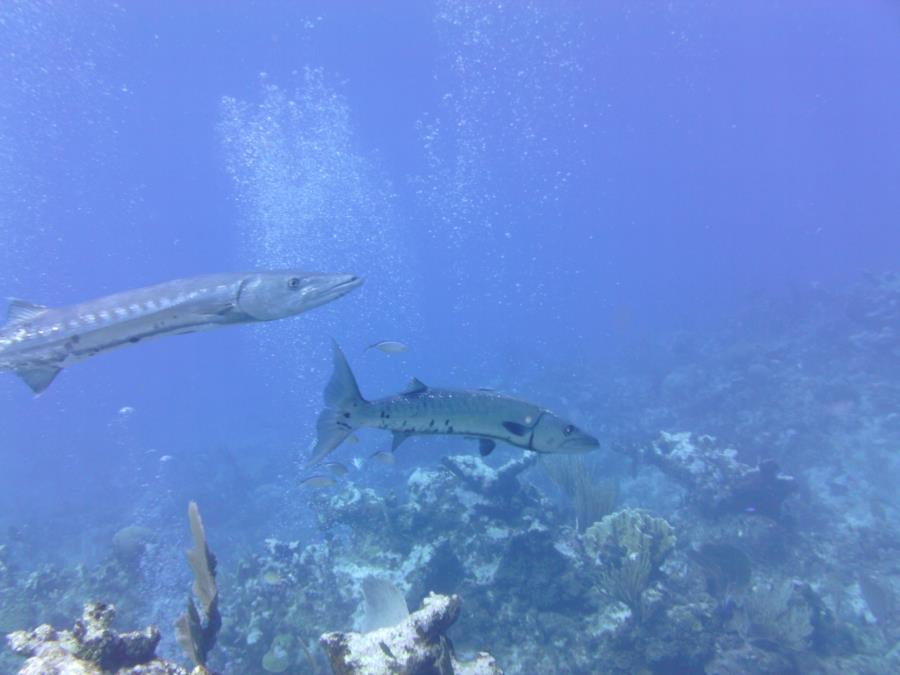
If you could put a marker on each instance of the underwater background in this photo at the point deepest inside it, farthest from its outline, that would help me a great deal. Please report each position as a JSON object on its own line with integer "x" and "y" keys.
{"x": 674, "y": 223}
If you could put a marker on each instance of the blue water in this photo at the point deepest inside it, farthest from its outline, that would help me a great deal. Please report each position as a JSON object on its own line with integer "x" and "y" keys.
{"x": 535, "y": 192}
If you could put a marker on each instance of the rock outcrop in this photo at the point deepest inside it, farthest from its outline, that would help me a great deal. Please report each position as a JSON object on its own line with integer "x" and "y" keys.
{"x": 415, "y": 646}
{"x": 92, "y": 647}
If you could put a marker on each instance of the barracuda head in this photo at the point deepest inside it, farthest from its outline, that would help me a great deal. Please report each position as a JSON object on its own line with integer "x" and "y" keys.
{"x": 266, "y": 296}
{"x": 554, "y": 434}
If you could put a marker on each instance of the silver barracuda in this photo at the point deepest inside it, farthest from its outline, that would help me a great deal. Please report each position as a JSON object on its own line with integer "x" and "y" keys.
{"x": 481, "y": 414}
{"x": 38, "y": 341}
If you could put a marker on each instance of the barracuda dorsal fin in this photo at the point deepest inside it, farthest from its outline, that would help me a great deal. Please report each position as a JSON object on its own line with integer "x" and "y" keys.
{"x": 415, "y": 386}
{"x": 21, "y": 311}
{"x": 38, "y": 378}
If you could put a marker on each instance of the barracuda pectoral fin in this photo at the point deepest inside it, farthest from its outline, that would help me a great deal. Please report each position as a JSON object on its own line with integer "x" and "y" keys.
{"x": 38, "y": 378}
{"x": 415, "y": 386}
{"x": 486, "y": 446}
{"x": 21, "y": 311}
{"x": 399, "y": 437}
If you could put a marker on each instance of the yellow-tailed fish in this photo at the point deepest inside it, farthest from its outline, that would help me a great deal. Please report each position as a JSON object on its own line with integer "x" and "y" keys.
{"x": 271, "y": 577}
{"x": 318, "y": 482}
{"x": 389, "y": 347}
{"x": 336, "y": 468}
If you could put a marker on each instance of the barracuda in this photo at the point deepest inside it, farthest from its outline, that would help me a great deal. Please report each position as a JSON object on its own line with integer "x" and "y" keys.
{"x": 481, "y": 414}
{"x": 38, "y": 341}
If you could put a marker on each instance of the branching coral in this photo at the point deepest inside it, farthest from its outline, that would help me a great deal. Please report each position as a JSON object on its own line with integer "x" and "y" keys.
{"x": 627, "y": 548}
{"x": 776, "y": 612}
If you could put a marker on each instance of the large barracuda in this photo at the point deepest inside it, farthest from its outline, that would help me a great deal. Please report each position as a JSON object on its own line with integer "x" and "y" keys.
{"x": 37, "y": 341}
{"x": 481, "y": 414}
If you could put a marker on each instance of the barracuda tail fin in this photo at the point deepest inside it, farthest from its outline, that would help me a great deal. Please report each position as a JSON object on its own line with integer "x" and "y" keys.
{"x": 342, "y": 405}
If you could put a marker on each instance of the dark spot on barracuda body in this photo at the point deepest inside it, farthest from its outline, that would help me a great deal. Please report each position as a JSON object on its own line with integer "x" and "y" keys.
{"x": 449, "y": 430}
{"x": 346, "y": 414}
{"x": 134, "y": 340}
{"x": 431, "y": 423}
{"x": 446, "y": 423}
{"x": 515, "y": 428}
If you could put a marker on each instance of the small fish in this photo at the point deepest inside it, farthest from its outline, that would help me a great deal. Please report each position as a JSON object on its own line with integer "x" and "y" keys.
{"x": 357, "y": 462}
{"x": 389, "y": 347}
{"x": 272, "y": 578}
{"x": 126, "y": 410}
{"x": 318, "y": 482}
{"x": 387, "y": 650}
{"x": 383, "y": 457}
{"x": 336, "y": 468}
{"x": 166, "y": 458}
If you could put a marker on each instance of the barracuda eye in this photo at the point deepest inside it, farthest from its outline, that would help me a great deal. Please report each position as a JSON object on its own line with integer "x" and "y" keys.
{"x": 294, "y": 283}
{"x": 568, "y": 430}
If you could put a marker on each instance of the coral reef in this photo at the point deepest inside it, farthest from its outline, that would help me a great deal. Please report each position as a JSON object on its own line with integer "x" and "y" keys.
{"x": 416, "y": 646}
{"x": 91, "y": 647}
{"x": 484, "y": 480}
{"x": 770, "y": 573}
{"x": 715, "y": 480}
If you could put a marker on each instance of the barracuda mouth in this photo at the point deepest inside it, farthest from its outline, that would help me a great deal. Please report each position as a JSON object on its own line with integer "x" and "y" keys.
{"x": 583, "y": 443}
{"x": 348, "y": 285}
{"x": 341, "y": 288}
